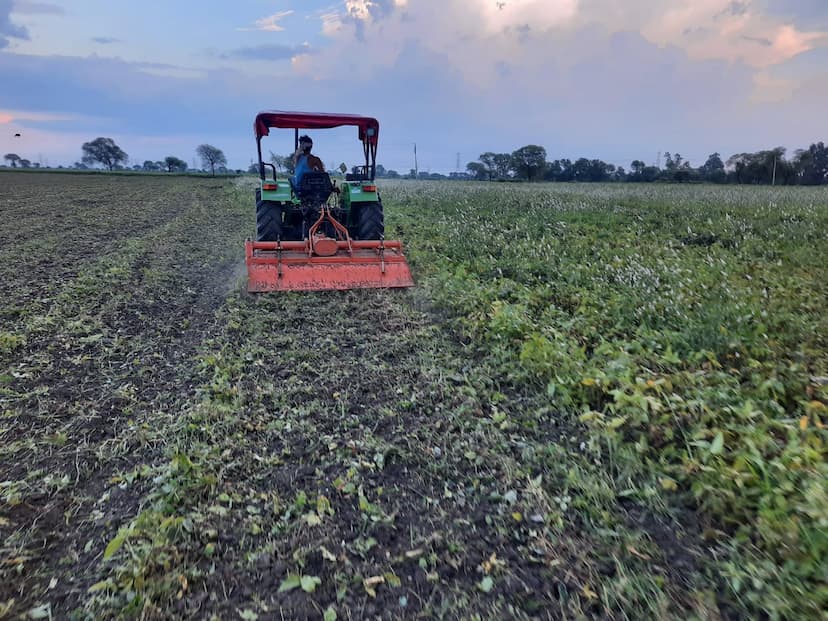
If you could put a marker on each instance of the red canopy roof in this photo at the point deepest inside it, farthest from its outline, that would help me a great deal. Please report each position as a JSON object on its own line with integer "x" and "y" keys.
{"x": 315, "y": 120}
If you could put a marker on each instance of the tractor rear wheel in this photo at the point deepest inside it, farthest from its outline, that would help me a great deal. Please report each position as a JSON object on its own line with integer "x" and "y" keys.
{"x": 268, "y": 221}
{"x": 370, "y": 221}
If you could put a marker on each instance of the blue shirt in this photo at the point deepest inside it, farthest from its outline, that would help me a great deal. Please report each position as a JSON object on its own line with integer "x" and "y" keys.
{"x": 301, "y": 168}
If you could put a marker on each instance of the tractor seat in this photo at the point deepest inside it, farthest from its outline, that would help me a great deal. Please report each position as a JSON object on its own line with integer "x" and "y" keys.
{"x": 314, "y": 188}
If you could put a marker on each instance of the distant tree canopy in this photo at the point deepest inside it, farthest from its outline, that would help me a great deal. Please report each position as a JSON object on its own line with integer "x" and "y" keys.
{"x": 283, "y": 162}
{"x": 812, "y": 164}
{"x": 174, "y": 164}
{"x": 480, "y": 171}
{"x": 12, "y": 159}
{"x": 807, "y": 167}
{"x": 529, "y": 162}
{"x": 103, "y": 151}
{"x": 211, "y": 157}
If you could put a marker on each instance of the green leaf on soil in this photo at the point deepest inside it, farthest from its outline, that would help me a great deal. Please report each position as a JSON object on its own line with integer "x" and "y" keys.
{"x": 291, "y": 582}
{"x": 718, "y": 444}
{"x": 486, "y": 584}
{"x": 115, "y": 545}
{"x": 309, "y": 583}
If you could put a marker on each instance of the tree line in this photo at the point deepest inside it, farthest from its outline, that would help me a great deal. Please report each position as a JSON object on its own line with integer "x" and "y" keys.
{"x": 107, "y": 153}
{"x": 529, "y": 163}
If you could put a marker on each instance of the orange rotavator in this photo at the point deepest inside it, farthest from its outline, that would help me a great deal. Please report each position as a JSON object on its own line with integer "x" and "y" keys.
{"x": 315, "y": 236}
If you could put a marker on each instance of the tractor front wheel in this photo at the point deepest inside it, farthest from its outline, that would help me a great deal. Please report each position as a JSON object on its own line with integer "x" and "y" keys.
{"x": 370, "y": 221}
{"x": 268, "y": 221}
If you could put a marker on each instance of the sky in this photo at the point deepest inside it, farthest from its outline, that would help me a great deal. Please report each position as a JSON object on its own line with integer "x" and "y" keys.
{"x": 614, "y": 79}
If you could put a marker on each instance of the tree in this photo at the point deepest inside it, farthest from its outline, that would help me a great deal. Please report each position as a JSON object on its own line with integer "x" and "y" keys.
{"x": 12, "y": 158}
{"x": 567, "y": 171}
{"x": 173, "y": 164}
{"x": 503, "y": 164}
{"x": 684, "y": 173}
{"x": 392, "y": 174}
{"x": 381, "y": 170}
{"x": 103, "y": 151}
{"x": 637, "y": 167}
{"x": 529, "y": 161}
{"x": 553, "y": 171}
{"x": 489, "y": 161}
{"x": 150, "y": 166}
{"x": 713, "y": 170}
{"x": 211, "y": 157}
{"x": 25, "y": 164}
{"x": 811, "y": 164}
{"x": 479, "y": 171}
{"x": 759, "y": 167}
{"x": 283, "y": 162}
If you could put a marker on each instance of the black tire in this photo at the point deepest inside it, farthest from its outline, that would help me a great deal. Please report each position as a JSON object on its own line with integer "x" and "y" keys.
{"x": 370, "y": 221}
{"x": 268, "y": 221}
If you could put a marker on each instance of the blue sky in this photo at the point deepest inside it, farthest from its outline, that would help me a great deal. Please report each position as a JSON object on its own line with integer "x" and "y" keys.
{"x": 617, "y": 79}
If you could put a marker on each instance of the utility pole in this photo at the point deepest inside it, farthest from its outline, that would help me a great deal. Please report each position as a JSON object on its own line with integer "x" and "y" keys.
{"x": 775, "y": 157}
{"x": 416, "y": 170}
{"x": 658, "y": 160}
{"x": 457, "y": 167}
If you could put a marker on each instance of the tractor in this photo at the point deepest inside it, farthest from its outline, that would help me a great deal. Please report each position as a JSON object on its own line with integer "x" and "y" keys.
{"x": 317, "y": 236}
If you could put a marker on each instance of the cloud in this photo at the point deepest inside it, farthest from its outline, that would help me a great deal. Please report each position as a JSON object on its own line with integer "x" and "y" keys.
{"x": 760, "y": 40}
{"x": 269, "y": 23}
{"x": 105, "y": 40}
{"x": 7, "y": 28}
{"x": 612, "y": 77}
{"x": 29, "y": 7}
{"x": 8, "y": 116}
{"x": 728, "y": 31}
{"x": 267, "y": 52}
{"x": 481, "y": 33}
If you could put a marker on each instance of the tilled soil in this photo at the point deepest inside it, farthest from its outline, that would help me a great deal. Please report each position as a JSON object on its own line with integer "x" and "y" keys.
{"x": 173, "y": 447}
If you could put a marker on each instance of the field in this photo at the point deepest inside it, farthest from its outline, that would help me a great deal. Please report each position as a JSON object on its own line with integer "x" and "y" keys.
{"x": 599, "y": 401}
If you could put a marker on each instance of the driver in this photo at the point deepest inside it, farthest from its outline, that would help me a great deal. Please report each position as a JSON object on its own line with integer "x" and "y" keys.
{"x": 304, "y": 161}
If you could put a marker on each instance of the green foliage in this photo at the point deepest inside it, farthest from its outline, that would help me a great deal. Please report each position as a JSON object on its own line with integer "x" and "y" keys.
{"x": 211, "y": 157}
{"x": 9, "y": 342}
{"x": 172, "y": 163}
{"x": 682, "y": 331}
{"x": 103, "y": 151}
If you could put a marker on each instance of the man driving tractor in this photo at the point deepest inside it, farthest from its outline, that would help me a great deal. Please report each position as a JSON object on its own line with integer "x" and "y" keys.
{"x": 304, "y": 161}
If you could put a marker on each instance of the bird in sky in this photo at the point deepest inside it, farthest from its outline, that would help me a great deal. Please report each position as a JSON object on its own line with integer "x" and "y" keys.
{"x": 17, "y": 135}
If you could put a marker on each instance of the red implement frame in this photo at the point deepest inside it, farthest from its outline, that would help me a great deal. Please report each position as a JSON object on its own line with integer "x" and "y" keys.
{"x": 320, "y": 263}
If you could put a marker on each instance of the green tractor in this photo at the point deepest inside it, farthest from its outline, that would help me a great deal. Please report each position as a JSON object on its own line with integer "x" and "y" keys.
{"x": 286, "y": 212}
{"x": 319, "y": 236}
